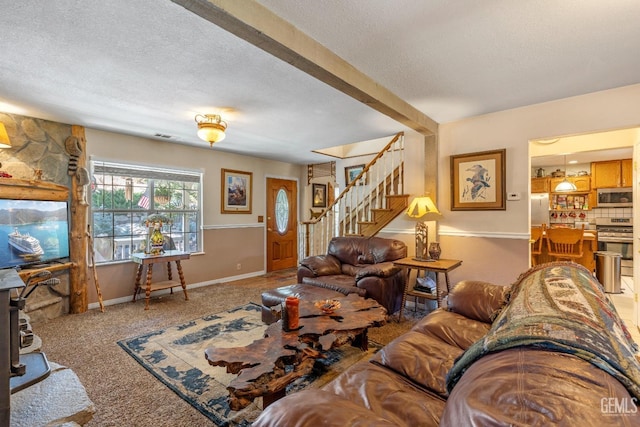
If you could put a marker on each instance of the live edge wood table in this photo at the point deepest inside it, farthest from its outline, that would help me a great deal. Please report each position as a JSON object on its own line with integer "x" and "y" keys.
{"x": 441, "y": 266}
{"x": 148, "y": 260}
{"x": 262, "y": 363}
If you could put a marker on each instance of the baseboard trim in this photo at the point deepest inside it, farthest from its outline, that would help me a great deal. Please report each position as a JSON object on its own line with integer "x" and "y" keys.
{"x": 96, "y": 305}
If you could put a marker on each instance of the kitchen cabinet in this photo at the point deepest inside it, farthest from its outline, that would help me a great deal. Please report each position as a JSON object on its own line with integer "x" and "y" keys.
{"x": 540, "y": 185}
{"x": 582, "y": 183}
{"x": 612, "y": 173}
{"x": 626, "y": 167}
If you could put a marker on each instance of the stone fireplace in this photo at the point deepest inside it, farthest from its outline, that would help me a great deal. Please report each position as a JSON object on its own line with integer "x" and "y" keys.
{"x": 39, "y": 165}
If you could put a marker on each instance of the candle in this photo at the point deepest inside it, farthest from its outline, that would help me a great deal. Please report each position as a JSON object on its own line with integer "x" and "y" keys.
{"x": 293, "y": 314}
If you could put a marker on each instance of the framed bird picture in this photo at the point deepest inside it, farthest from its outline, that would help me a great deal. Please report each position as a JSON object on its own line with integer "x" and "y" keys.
{"x": 478, "y": 181}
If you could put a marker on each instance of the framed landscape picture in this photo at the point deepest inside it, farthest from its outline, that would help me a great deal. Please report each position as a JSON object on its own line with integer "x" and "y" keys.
{"x": 236, "y": 192}
{"x": 351, "y": 172}
{"x": 319, "y": 195}
{"x": 478, "y": 181}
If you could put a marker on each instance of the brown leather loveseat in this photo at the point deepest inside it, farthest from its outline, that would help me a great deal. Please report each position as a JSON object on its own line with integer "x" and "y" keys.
{"x": 362, "y": 265}
{"x": 548, "y": 350}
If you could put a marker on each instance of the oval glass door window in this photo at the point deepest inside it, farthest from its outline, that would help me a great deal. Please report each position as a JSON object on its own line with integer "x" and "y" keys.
{"x": 282, "y": 211}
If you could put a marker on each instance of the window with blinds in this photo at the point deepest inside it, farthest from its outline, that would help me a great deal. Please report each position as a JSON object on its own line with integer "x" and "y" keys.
{"x": 123, "y": 195}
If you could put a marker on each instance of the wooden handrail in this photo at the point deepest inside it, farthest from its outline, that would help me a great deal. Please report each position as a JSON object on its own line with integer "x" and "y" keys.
{"x": 353, "y": 183}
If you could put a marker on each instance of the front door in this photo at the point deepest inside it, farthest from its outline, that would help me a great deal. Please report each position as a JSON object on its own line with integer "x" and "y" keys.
{"x": 282, "y": 224}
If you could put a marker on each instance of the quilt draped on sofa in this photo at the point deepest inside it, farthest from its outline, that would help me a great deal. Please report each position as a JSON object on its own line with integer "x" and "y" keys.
{"x": 560, "y": 306}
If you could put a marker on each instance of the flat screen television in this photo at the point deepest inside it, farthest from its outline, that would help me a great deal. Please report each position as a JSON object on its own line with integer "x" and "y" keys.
{"x": 33, "y": 232}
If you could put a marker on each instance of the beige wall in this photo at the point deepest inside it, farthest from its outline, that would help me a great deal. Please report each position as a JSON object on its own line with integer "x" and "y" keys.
{"x": 479, "y": 238}
{"x": 224, "y": 249}
{"x": 229, "y": 239}
{"x": 492, "y": 244}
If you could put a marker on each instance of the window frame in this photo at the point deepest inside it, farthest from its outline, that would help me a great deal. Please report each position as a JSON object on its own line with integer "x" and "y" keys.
{"x": 150, "y": 175}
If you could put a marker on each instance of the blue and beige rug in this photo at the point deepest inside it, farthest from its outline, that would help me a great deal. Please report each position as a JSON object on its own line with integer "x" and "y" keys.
{"x": 175, "y": 356}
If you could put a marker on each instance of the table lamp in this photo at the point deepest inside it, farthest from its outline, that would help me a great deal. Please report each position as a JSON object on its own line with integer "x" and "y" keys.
{"x": 422, "y": 208}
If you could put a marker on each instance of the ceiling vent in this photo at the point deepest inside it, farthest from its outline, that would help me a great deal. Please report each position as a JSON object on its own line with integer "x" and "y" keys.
{"x": 162, "y": 135}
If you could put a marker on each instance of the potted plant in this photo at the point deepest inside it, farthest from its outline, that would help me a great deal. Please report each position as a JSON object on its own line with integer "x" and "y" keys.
{"x": 162, "y": 194}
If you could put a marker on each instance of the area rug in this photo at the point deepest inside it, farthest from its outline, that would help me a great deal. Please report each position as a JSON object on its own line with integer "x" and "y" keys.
{"x": 175, "y": 356}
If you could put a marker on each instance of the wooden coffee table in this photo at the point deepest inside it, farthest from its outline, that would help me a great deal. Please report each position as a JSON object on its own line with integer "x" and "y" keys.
{"x": 261, "y": 364}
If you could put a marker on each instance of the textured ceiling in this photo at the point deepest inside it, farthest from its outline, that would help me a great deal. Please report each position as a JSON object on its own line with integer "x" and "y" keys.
{"x": 146, "y": 67}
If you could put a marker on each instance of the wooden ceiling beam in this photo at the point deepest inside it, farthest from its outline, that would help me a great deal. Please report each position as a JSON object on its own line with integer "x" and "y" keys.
{"x": 259, "y": 26}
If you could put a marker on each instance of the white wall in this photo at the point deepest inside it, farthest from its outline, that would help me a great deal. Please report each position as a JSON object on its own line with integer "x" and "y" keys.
{"x": 512, "y": 130}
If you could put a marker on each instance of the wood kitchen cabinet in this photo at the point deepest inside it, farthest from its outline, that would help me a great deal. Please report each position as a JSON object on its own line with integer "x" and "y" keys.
{"x": 612, "y": 173}
{"x": 626, "y": 166}
{"x": 582, "y": 183}
{"x": 540, "y": 185}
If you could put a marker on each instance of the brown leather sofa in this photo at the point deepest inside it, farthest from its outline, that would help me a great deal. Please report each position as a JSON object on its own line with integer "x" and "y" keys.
{"x": 362, "y": 265}
{"x": 406, "y": 383}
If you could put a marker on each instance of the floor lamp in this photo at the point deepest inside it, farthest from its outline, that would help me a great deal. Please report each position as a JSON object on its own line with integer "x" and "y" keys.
{"x": 422, "y": 209}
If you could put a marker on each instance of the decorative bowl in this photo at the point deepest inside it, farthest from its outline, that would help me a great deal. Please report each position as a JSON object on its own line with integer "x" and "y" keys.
{"x": 328, "y": 306}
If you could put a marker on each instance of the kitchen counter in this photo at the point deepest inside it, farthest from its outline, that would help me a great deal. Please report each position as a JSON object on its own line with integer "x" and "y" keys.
{"x": 590, "y": 246}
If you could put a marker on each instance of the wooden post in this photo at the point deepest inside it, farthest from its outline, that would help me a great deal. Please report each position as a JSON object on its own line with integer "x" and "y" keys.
{"x": 78, "y": 302}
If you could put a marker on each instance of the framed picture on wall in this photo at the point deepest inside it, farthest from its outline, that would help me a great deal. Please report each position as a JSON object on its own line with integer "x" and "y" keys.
{"x": 352, "y": 172}
{"x": 236, "y": 192}
{"x": 478, "y": 181}
{"x": 319, "y": 194}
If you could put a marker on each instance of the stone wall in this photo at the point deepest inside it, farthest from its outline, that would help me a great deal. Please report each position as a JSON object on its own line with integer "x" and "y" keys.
{"x": 39, "y": 144}
{"x": 36, "y": 144}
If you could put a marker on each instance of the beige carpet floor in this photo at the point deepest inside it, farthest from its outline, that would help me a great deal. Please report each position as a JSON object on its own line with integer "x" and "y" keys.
{"x": 124, "y": 393}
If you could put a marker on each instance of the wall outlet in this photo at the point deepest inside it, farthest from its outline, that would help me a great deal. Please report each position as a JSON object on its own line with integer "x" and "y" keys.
{"x": 513, "y": 196}
{"x": 238, "y": 266}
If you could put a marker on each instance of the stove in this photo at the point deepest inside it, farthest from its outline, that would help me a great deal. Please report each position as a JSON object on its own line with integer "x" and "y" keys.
{"x": 616, "y": 235}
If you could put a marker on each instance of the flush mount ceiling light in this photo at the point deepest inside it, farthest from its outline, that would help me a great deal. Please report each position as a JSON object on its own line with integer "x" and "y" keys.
{"x": 211, "y": 127}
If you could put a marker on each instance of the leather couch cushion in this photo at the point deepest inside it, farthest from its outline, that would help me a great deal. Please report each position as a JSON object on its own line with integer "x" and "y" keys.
{"x": 477, "y": 300}
{"x": 381, "y": 269}
{"x": 322, "y": 265}
{"x": 339, "y": 282}
{"x": 372, "y": 250}
{"x": 296, "y": 412}
{"x": 420, "y": 358}
{"x": 387, "y": 394}
{"x": 530, "y": 387}
{"x": 452, "y": 328}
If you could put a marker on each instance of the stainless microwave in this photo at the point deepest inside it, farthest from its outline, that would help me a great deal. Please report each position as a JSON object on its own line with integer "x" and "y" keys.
{"x": 615, "y": 197}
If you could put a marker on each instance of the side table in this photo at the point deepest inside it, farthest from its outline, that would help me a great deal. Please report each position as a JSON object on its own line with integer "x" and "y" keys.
{"x": 440, "y": 266}
{"x": 147, "y": 259}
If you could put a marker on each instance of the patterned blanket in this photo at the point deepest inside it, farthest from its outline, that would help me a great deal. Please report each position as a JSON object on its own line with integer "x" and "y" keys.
{"x": 559, "y": 306}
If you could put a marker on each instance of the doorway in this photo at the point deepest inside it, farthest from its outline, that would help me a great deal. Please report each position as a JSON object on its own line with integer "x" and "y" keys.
{"x": 282, "y": 224}
{"x": 550, "y": 154}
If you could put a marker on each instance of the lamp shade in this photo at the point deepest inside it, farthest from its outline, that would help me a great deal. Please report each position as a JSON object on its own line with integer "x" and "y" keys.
{"x": 4, "y": 138}
{"x": 211, "y": 128}
{"x": 565, "y": 186}
{"x": 422, "y": 206}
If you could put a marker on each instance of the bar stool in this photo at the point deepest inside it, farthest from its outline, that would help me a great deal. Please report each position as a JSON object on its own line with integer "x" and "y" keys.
{"x": 536, "y": 243}
{"x": 565, "y": 243}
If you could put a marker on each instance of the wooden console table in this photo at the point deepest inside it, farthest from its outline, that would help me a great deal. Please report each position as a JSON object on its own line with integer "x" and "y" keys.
{"x": 147, "y": 259}
{"x": 443, "y": 266}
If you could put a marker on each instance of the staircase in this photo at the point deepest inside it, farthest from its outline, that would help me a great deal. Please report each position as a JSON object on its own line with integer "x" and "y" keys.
{"x": 370, "y": 202}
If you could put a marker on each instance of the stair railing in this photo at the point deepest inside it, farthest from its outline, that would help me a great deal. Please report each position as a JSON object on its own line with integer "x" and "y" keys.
{"x": 382, "y": 176}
